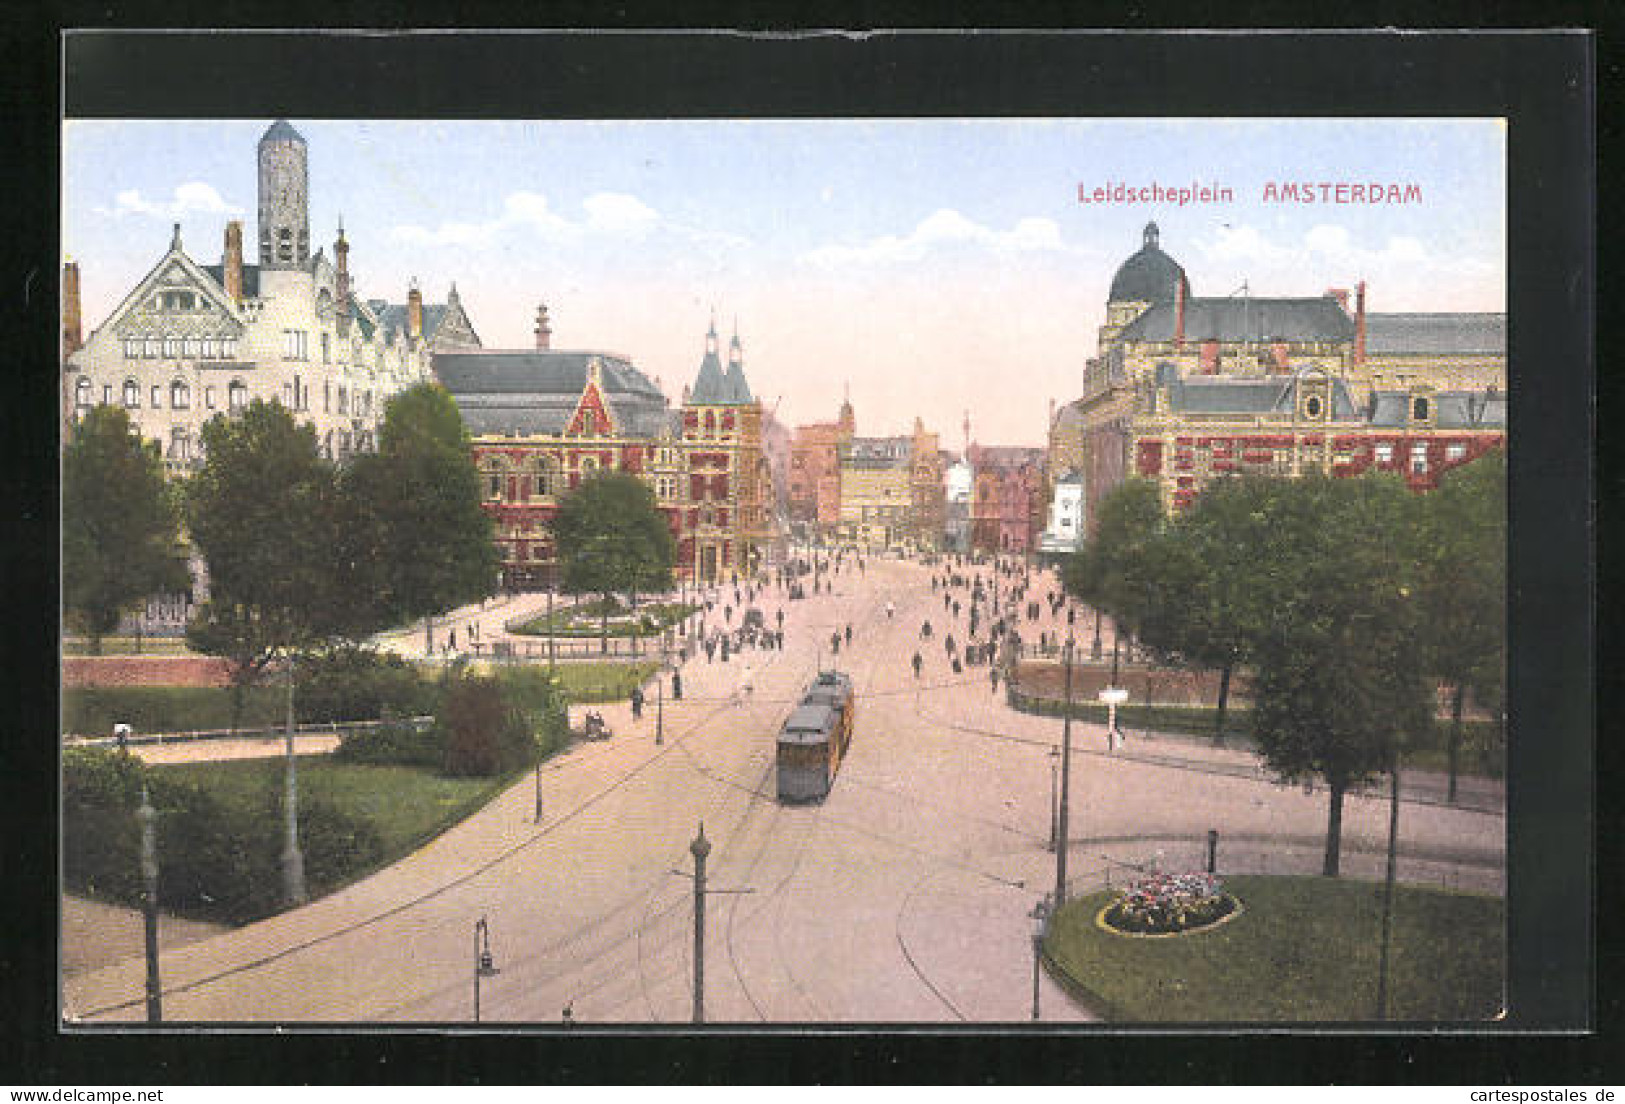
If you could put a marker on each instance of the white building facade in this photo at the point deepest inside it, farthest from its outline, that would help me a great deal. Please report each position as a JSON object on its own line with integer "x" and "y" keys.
{"x": 191, "y": 341}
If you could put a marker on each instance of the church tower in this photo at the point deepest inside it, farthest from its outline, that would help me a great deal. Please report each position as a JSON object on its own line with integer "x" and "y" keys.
{"x": 284, "y": 199}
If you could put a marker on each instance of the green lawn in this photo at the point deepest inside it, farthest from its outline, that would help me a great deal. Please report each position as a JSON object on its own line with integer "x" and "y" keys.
{"x": 406, "y": 806}
{"x": 1304, "y": 949}
{"x": 93, "y": 710}
{"x": 603, "y": 682}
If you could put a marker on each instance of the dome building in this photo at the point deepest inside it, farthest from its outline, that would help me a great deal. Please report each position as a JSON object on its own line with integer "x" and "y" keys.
{"x": 1147, "y": 278}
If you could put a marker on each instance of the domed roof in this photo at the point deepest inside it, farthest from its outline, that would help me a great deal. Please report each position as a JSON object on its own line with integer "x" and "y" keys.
{"x": 1149, "y": 276}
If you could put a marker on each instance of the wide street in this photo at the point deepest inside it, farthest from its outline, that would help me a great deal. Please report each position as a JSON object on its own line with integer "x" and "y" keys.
{"x": 903, "y": 897}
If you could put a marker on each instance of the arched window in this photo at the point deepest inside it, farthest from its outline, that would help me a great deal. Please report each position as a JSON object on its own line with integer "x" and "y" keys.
{"x": 491, "y": 472}
{"x": 237, "y": 395}
{"x": 546, "y": 475}
{"x": 81, "y": 393}
{"x": 180, "y": 395}
{"x": 132, "y": 394}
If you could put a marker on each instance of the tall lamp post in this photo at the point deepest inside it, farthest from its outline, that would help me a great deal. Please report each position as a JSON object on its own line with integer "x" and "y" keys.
{"x": 1388, "y": 890}
{"x": 1040, "y": 915}
{"x": 148, "y": 817}
{"x": 293, "y": 860}
{"x": 660, "y": 706}
{"x": 700, "y": 848}
{"x": 1054, "y": 797}
{"x": 484, "y": 966}
{"x": 1062, "y": 830}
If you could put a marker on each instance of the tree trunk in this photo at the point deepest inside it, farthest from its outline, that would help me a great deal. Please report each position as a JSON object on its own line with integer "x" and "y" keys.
{"x": 1334, "y": 828}
{"x": 637, "y": 625}
{"x": 603, "y": 624}
{"x": 1453, "y": 751}
{"x": 1224, "y": 700}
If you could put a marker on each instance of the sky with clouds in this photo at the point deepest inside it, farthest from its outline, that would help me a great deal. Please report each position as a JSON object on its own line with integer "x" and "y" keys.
{"x": 932, "y": 266}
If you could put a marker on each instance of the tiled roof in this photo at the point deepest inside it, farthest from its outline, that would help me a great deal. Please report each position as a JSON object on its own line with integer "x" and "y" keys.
{"x": 1246, "y": 319}
{"x": 1250, "y": 395}
{"x": 251, "y": 278}
{"x": 534, "y": 392}
{"x": 1451, "y": 409}
{"x": 1437, "y": 334}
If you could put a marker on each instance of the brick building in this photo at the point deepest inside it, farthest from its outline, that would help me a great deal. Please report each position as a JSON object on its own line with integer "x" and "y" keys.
{"x": 543, "y": 419}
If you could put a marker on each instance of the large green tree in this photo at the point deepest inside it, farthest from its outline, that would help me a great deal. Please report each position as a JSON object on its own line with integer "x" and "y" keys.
{"x": 612, "y": 538}
{"x": 1462, "y": 588}
{"x": 419, "y": 539}
{"x": 1123, "y": 573}
{"x": 1215, "y": 597}
{"x": 1339, "y": 683}
{"x": 261, "y": 512}
{"x": 120, "y": 524}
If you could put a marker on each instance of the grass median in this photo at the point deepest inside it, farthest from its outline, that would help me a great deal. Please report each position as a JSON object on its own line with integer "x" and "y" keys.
{"x": 1303, "y": 949}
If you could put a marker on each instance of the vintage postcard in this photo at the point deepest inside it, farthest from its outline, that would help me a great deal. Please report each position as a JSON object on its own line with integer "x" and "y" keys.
{"x": 784, "y": 571}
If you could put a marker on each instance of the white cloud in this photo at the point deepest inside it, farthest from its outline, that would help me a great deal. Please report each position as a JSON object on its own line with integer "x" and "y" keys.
{"x": 194, "y": 197}
{"x": 618, "y": 213}
{"x": 942, "y": 227}
{"x": 614, "y": 214}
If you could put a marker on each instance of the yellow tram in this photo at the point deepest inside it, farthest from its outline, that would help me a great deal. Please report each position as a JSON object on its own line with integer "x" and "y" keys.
{"x": 815, "y": 738}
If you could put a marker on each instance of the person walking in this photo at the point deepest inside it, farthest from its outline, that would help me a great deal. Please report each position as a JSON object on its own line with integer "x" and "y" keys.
{"x": 849, "y": 634}
{"x": 918, "y": 662}
{"x": 637, "y": 702}
{"x": 677, "y": 686}
{"x": 835, "y": 643}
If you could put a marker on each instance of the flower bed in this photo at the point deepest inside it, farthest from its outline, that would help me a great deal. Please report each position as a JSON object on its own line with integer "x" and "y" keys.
{"x": 1169, "y": 904}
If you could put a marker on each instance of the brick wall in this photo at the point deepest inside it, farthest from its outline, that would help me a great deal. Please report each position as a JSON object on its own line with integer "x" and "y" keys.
{"x": 144, "y": 671}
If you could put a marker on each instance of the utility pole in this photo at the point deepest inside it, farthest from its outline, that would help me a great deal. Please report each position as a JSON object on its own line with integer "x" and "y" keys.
{"x": 1388, "y": 890}
{"x": 148, "y": 817}
{"x": 551, "y": 657}
{"x": 700, "y": 848}
{"x": 660, "y": 707}
{"x": 538, "y": 791}
{"x": 293, "y": 861}
{"x": 1066, "y": 781}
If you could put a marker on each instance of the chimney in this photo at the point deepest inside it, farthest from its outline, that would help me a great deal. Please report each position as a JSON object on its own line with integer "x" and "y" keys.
{"x": 1341, "y": 295}
{"x": 71, "y": 337}
{"x": 414, "y": 312}
{"x": 544, "y": 332}
{"x": 1359, "y": 322}
{"x": 231, "y": 263}
{"x": 1179, "y": 315}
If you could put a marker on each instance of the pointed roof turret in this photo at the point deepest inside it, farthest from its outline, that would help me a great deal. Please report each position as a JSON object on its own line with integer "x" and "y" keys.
{"x": 710, "y": 386}
{"x": 281, "y": 131}
{"x": 737, "y": 390}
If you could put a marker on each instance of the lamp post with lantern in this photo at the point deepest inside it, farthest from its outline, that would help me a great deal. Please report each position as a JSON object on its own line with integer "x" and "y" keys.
{"x": 484, "y": 965}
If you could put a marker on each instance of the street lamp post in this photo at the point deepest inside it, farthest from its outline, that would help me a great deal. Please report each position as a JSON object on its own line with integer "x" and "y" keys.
{"x": 551, "y": 658}
{"x": 1062, "y": 830}
{"x": 1040, "y": 915}
{"x": 1388, "y": 891}
{"x": 293, "y": 861}
{"x": 484, "y": 967}
{"x": 1113, "y": 696}
{"x": 538, "y": 791}
{"x": 148, "y": 818}
{"x": 700, "y": 848}
{"x": 660, "y": 707}
{"x": 1054, "y": 796}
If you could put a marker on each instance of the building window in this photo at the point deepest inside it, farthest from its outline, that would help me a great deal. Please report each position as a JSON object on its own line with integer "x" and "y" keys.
{"x": 588, "y": 464}
{"x": 1455, "y": 452}
{"x": 284, "y": 245}
{"x": 326, "y": 351}
{"x": 206, "y": 348}
{"x": 149, "y": 347}
{"x": 228, "y": 348}
{"x": 81, "y": 393}
{"x": 294, "y": 345}
{"x": 327, "y": 398}
{"x": 1312, "y": 407}
{"x": 157, "y": 396}
{"x": 237, "y": 395}
{"x": 344, "y": 399}
{"x": 172, "y": 346}
{"x": 132, "y": 348}
{"x": 1419, "y": 409}
{"x": 180, "y": 395}
{"x": 132, "y": 394}
{"x": 189, "y": 347}
{"x": 1419, "y": 458}
{"x": 208, "y": 397}
{"x": 1385, "y": 453}
{"x": 179, "y": 444}
{"x": 107, "y": 394}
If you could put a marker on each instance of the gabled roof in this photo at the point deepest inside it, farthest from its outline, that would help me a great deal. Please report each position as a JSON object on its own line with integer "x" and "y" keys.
{"x": 738, "y": 391}
{"x": 392, "y": 317}
{"x": 1246, "y": 319}
{"x": 1436, "y": 334}
{"x": 175, "y": 259}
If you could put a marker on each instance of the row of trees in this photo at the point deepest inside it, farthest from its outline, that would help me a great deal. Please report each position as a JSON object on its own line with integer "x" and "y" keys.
{"x": 1347, "y": 600}
{"x": 304, "y": 554}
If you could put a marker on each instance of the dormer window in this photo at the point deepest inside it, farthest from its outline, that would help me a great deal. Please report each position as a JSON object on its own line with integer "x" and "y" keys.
{"x": 1313, "y": 408}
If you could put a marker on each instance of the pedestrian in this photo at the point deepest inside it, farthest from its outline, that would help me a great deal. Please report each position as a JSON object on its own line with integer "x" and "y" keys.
{"x": 849, "y": 634}
{"x": 677, "y": 686}
{"x": 890, "y": 610}
{"x": 948, "y": 644}
{"x": 780, "y": 617}
{"x": 835, "y": 643}
{"x": 637, "y": 702}
{"x": 994, "y": 674}
{"x": 917, "y": 664}
{"x": 452, "y": 646}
